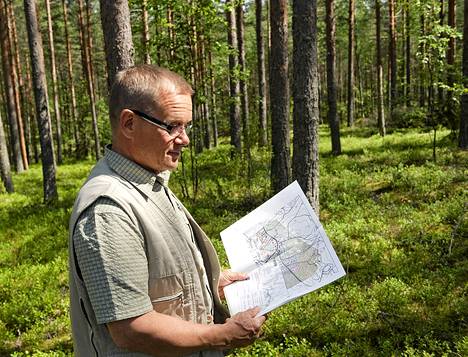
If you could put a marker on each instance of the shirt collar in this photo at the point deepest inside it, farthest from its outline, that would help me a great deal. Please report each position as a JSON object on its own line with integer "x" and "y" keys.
{"x": 143, "y": 179}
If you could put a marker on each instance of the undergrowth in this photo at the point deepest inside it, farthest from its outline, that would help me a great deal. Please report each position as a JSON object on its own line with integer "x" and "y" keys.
{"x": 396, "y": 218}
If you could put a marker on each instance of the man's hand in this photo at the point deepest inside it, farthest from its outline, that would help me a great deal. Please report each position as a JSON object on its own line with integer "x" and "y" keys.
{"x": 228, "y": 277}
{"x": 243, "y": 328}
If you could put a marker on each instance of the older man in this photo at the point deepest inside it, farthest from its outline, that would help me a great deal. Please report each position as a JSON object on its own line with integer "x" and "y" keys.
{"x": 144, "y": 278}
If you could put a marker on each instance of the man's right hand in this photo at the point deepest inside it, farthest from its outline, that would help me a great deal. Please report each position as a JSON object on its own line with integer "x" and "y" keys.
{"x": 243, "y": 328}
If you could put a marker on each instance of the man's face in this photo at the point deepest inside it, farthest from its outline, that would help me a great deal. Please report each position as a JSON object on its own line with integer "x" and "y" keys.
{"x": 154, "y": 148}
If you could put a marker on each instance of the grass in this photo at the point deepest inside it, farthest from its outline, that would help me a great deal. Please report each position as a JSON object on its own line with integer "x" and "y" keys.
{"x": 396, "y": 219}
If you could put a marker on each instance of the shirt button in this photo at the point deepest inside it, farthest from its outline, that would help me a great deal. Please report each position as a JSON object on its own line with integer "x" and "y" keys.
{"x": 209, "y": 318}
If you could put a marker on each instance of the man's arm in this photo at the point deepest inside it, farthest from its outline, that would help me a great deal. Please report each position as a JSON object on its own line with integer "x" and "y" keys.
{"x": 161, "y": 335}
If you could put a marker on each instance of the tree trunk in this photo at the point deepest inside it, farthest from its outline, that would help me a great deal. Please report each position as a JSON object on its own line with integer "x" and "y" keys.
{"x": 214, "y": 122}
{"x": 54, "y": 84}
{"x": 262, "y": 110}
{"x": 9, "y": 91}
{"x": 451, "y": 104}
{"x": 71, "y": 81}
{"x": 463, "y": 134}
{"x": 422, "y": 67}
{"x": 118, "y": 45}
{"x": 351, "y": 63}
{"x": 333, "y": 119}
{"x": 244, "y": 92}
{"x": 305, "y": 94}
{"x": 5, "y": 170}
{"x": 408, "y": 93}
{"x": 279, "y": 95}
{"x": 392, "y": 53}
{"x": 145, "y": 32}
{"x": 380, "y": 95}
{"x": 234, "y": 107}
{"x": 40, "y": 94}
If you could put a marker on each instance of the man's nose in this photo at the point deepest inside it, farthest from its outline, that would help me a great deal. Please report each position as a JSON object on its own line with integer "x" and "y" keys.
{"x": 183, "y": 138}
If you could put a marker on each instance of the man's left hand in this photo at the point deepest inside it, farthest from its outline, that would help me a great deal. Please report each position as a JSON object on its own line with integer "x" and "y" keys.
{"x": 228, "y": 277}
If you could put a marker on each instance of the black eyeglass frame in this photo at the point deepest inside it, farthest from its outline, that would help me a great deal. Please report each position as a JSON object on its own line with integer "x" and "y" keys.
{"x": 173, "y": 130}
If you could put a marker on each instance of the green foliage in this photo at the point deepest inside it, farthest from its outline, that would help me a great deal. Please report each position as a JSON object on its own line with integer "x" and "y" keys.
{"x": 396, "y": 219}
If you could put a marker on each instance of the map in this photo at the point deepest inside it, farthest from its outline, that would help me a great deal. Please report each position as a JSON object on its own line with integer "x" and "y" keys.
{"x": 283, "y": 248}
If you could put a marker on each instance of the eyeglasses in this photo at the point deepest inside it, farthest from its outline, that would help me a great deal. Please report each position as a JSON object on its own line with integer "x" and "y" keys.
{"x": 173, "y": 130}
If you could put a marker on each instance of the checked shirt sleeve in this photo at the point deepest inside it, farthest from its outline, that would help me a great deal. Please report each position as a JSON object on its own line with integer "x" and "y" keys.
{"x": 111, "y": 255}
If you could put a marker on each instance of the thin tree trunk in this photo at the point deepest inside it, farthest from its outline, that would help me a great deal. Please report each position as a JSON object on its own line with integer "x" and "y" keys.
{"x": 262, "y": 110}
{"x": 145, "y": 32}
{"x": 71, "y": 81}
{"x": 333, "y": 119}
{"x": 305, "y": 94}
{"x": 351, "y": 63}
{"x": 463, "y": 133}
{"x": 392, "y": 54}
{"x": 5, "y": 170}
{"x": 422, "y": 74}
{"x": 9, "y": 90}
{"x": 42, "y": 108}
{"x": 234, "y": 107}
{"x": 408, "y": 93}
{"x": 279, "y": 95}
{"x": 13, "y": 50}
{"x": 118, "y": 44}
{"x": 451, "y": 104}
{"x": 58, "y": 121}
{"x": 214, "y": 122}
{"x": 244, "y": 92}
{"x": 87, "y": 64}
{"x": 380, "y": 95}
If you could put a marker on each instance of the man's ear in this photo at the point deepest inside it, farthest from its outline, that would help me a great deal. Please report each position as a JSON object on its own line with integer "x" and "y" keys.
{"x": 127, "y": 123}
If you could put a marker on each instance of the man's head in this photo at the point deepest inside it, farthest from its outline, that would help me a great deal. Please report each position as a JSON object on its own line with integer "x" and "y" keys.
{"x": 146, "y": 103}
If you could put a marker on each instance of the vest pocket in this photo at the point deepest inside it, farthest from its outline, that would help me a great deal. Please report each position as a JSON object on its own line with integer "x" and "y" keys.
{"x": 167, "y": 295}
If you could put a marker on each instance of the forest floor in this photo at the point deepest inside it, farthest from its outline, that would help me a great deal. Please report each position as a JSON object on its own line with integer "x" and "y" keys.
{"x": 396, "y": 217}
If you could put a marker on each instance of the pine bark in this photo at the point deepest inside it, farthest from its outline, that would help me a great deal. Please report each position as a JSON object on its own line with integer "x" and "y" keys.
{"x": 332, "y": 115}
{"x": 262, "y": 109}
{"x": 118, "y": 44}
{"x": 463, "y": 133}
{"x": 451, "y": 104}
{"x": 306, "y": 99}
{"x": 279, "y": 95}
{"x": 379, "y": 67}
{"x": 42, "y": 108}
{"x": 234, "y": 107}
{"x": 350, "y": 103}
{"x": 5, "y": 170}
{"x": 9, "y": 91}
{"x": 408, "y": 92}
{"x": 53, "y": 69}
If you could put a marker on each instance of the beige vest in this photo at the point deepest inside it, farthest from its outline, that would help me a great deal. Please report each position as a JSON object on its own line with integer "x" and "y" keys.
{"x": 173, "y": 288}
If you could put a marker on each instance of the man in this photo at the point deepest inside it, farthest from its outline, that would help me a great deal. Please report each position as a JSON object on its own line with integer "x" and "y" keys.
{"x": 144, "y": 278}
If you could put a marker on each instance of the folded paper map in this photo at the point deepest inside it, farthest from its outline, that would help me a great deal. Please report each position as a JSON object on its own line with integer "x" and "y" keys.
{"x": 283, "y": 248}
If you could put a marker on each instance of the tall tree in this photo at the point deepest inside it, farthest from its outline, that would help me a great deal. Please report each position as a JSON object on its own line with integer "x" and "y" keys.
{"x": 12, "y": 113}
{"x": 463, "y": 134}
{"x": 71, "y": 80}
{"x": 332, "y": 115}
{"x": 86, "y": 46}
{"x": 53, "y": 70}
{"x": 262, "y": 110}
{"x": 15, "y": 78}
{"x": 145, "y": 32}
{"x": 408, "y": 52}
{"x": 118, "y": 44}
{"x": 305, "y": 94}
{"x": 5, "y": 170}
{"x": 351, "y": 10}
{"x": 244, "y": 93}
{"x": 451, "y": 64}
{"x": 234, "y": 107}
{"x": 40, "y": 94}
{"x": 392, "y": 50}
{"x": 379, "y": 67}
{"x": 279, "y": 95}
